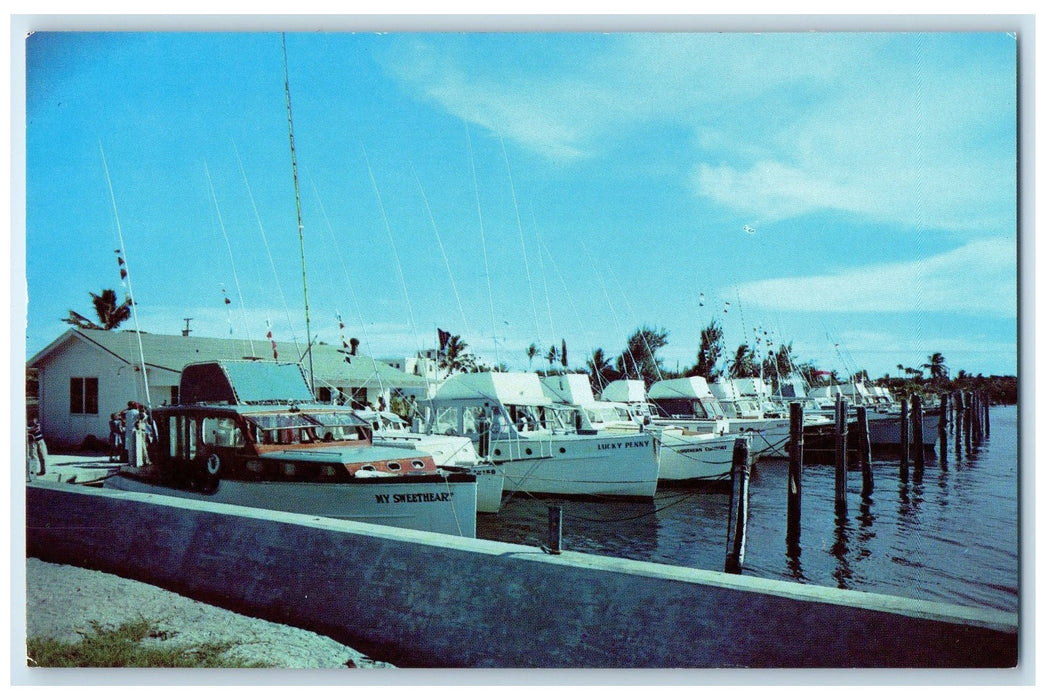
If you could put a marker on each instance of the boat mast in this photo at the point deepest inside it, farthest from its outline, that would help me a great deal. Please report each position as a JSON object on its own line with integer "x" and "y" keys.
{"x": 130, "y": 289}
{"x": 297, "y": 204}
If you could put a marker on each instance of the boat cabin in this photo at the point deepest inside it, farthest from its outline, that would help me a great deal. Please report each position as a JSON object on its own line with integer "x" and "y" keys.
{"x": 685, "y": 398}
{"x": 256, "y": 421}
{"x": 507, "y": 404}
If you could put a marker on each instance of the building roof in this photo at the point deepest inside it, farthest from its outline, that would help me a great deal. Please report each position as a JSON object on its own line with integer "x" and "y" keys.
{"x": 332, "y": 366}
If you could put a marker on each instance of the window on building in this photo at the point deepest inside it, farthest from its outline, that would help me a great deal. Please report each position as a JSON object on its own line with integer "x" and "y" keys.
{"x": 324, "y": 394}
{"x": 83, "y": 395}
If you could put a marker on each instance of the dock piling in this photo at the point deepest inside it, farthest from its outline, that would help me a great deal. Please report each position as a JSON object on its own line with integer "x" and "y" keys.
{"x": 795, "y": 475}
{"x": 967, "y": 420}
{"x": 737, "y": 522}
{"x": 917, "y": 429}
{"x": 957, "y": 424}
{"x": 987, "y": 419}
{"x": 942, "y": 427}
{"x": 976, "y": 418}
{"x": 904, "y": 439}
{"x": 864, "y": 452}
{"x": 555, "y": 530}
{"x": 840, "y": 453}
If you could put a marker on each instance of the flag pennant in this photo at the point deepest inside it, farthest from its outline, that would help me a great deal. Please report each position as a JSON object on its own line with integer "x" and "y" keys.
{"x": 268, "y": 334}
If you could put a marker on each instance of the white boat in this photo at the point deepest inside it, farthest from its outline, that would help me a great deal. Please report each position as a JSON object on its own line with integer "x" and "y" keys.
{"x": 451, "y": 453}
{"x": 250, "y": 434}
{"x": 683, "y": 455}
{"x": 538, "y": 447}
{"x": 884, "y": 416}
{"x": 749, "y": 399}
{"x": 688, "y": 402}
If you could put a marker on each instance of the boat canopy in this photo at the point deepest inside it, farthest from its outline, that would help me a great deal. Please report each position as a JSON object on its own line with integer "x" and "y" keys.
{"x": 791, "y": 388}
{"x": 625, "y": 391}
{"x": 244, "y": 382}
{"x": 521, "y": 388}
{"x": 685, "y": 388}
{"x": 726, "y": 390}
{"x": 752, "y": 386}
{"x": 573, "y": 389}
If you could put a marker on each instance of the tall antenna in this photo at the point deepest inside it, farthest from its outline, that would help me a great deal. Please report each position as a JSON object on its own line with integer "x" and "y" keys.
{"x": 297, "y": 204}
{"x": 130, "y": 290}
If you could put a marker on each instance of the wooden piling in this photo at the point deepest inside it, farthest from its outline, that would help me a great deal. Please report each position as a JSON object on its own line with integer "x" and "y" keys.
{"x": 967, "y": 419}
{"x": 904, "y": 438}
{"x": 737, "y": 524}
{"x": 942, "y": 422}
{"x": 840, "y": 454}
{"x": 864, "y": 452}
{"x": 917, "y": 429}
{"x": 960, "y": 406}
{"x": 987, "y": 418}
{"x": 795, "y": 474}
{"x": 976, "y": 419}
{"x": 555, "y": 530}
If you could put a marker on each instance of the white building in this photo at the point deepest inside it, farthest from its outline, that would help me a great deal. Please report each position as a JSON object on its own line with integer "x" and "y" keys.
{"x": 425, "y": 365}
{"x": 84, "y": 375}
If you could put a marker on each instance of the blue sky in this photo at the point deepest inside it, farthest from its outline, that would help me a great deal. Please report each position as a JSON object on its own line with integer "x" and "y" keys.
{"x": 851, "y": 193}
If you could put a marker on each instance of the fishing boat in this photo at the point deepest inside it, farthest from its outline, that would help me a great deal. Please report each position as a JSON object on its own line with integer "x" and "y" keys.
{"x": 541, "y": 448}
{"x": 450, "y": 452}
{"x": 750, "y": 399}
{"x": 249, "y": 433}
{"x": 683, "y": 455}
{"x": 688, "y": 402}
{"x": 884, "y": 416}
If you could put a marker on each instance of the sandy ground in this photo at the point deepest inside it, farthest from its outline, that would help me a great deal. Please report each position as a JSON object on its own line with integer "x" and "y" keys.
{"x": 62, "y": 601}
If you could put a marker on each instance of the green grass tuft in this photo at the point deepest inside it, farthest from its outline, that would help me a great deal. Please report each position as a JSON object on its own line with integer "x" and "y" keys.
{"x": 105, "y": 647}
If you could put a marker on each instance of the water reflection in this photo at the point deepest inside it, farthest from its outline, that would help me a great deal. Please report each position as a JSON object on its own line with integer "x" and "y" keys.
{"x": 948, "y": 532}
{"x": 793, "y": 561}
{"x": 843, "y": 573}
{"x": 865, "y": 533}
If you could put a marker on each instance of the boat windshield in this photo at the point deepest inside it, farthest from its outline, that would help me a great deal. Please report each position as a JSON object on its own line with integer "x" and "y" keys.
{"x": 303, "y": 428}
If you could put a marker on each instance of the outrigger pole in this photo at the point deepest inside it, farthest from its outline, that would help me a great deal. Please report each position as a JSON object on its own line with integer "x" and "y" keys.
{"x": 130, "y": 289}
{"x": 297, "y": 204}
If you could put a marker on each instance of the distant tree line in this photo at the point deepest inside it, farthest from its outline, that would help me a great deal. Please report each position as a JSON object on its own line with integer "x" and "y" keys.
{"x": 639, "y": 360}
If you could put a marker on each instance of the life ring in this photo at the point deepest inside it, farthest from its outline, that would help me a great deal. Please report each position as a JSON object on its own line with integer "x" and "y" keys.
{"x": 214, "y": 464}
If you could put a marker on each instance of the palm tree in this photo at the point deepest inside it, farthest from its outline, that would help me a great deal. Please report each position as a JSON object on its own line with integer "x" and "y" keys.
{"x": 110, "y": 314}
{"x": 456, "y": 357}
{"x": 552, "y": 357}
{"x": 532, "y": 352}
{"x": 709, "y": 352}
{"x": 938, "y": 370}
{"x": 600, "y": 370}
{"x": 639, "y": 359}
{"x": 743, "y": 364}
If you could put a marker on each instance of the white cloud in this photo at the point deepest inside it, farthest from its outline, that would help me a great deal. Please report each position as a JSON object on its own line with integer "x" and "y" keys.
{"x": 977, "y": 278}
{"x": 917, "y": 130}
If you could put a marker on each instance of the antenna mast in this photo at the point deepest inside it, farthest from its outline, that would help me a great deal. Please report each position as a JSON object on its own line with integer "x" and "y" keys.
{"x": 297, "y": 204}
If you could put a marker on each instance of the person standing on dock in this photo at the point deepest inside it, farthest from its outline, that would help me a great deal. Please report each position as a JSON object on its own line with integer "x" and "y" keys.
{"x": 116, "y": 434}
{"x": 130, "y": 422}
{"x": 37, "y": 448}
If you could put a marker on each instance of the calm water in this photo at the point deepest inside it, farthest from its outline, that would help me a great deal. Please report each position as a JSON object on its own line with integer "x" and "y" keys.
{"x": 948, "y": 534}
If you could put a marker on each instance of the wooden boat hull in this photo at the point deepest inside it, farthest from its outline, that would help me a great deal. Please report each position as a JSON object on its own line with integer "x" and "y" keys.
{"x": 445, "y": 505}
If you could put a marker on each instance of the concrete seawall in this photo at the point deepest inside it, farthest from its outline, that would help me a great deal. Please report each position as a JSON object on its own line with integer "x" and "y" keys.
{"x": 424, "y": 600}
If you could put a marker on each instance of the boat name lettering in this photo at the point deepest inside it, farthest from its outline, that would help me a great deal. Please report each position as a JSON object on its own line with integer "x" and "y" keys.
{"x": 623, "y": 444}
{"x": 412, "y": 497}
